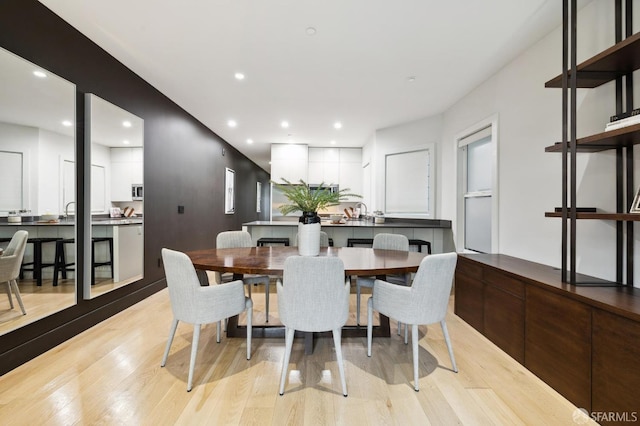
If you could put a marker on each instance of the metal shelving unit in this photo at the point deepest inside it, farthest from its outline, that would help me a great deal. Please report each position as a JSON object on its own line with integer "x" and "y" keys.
{"x": 614, "y": 64}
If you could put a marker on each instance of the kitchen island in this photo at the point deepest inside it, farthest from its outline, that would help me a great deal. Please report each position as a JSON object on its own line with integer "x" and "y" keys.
{"x": 127, "y": 234}
{"x": 437, "y": 232}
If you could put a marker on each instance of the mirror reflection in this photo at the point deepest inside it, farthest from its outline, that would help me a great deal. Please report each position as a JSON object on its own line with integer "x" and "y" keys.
{"x": 117, "y": 196}
{"x": 37, "y": 176}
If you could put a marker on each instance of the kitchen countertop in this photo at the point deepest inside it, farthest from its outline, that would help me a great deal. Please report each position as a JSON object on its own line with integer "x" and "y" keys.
{"x": 389, "y": 223}
{"x": 96, "y": 222}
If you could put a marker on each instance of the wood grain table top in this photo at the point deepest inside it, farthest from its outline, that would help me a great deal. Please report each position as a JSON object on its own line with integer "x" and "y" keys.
{"x": 270, "y": 260}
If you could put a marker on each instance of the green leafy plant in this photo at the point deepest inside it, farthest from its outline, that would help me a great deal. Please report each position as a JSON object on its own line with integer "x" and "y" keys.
{"x": 302, "y": 199}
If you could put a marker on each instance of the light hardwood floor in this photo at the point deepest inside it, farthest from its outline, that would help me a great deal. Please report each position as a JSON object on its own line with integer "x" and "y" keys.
{"x": 111, "y": 374}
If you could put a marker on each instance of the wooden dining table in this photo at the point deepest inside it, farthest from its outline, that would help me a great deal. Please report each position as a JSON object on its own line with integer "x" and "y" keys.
{"x": 269, "y": 260}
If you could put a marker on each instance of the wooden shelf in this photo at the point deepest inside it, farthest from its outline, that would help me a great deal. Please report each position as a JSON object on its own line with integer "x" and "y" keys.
{"x": 623, "y": 137}
{"x": 600, "y": 216}
{"x": 618, "y": 60}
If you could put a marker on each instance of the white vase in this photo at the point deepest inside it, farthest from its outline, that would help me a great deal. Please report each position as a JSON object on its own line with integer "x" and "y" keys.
{"x": 309, "y": 239}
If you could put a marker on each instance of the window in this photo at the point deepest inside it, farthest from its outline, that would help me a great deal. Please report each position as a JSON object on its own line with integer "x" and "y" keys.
{"x": 477, "y": 182}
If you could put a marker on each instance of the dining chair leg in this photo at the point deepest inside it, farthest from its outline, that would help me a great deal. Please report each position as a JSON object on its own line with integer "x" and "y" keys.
{"x": 414, "y": 342}
{"x": 337, "y": 337}
{"x": 16, "y": 291}
{"x": 369, "y": 324}
{"x": 406, "y": 334}
{"x": 357, "y": 303}
{"x": 9, "y": 295}
{"x": 172, "y": 332}
{"x": 249, "y": 306}
{"x": 218, "y": 331}
{"x": 266, "y": 299}
{"x": 287, "y": 355}
{"x": 443, "y": 324}
{"x": 194, "y": 351}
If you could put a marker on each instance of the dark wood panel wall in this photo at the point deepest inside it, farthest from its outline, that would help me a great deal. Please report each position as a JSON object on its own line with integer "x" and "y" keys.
{"x": 184, "y": 165}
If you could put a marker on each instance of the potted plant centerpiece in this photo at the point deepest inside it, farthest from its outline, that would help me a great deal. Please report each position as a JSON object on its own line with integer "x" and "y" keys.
{"x": 303, "y": 199}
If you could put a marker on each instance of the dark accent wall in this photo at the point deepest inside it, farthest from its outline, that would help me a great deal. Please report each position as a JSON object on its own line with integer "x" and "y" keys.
{"x": 183, "y": 161}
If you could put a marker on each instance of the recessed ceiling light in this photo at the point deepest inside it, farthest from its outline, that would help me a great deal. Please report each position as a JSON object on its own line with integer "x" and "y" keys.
{"x": 311, "y": 31}
{"x": 126, "y": 123}
{"x": 249, "y": 141}
{"x": 125, "y": 142}
{"x": 232, "y": 123}
{"x": 39, "y": 73}
{"x": 332, "y": 142}
{"x": 284, "y": 124}
{"x": 239, "y": 76}
{"x": 67, "y": 123}
{"x": 411, "y": 79}
{"x": 337, "y": 125}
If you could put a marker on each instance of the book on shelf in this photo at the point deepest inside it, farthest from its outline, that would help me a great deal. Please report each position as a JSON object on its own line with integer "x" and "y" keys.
{"x": 578, "y": 209}
{"x": 629, "y": 121}
{"x": 623, "y": 115}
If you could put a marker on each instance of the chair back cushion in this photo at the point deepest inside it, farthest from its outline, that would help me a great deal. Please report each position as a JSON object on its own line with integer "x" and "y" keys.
{"x": 431, "y": 288}
{"x": 12, "y": 256}
{"x": 183, "y": 283}
{"x": 233, "y": 239}
{"x": 391, "y": 242}
{"x": 313, "y": 295}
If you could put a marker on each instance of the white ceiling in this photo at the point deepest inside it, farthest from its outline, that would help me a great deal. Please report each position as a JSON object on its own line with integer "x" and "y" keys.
{"x": 48, "y": 101}
{"x": 355, "y": 69}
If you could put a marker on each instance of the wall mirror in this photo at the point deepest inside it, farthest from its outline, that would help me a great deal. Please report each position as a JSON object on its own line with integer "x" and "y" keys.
{"x": 37, "y": 166}
{"x": 117, "y": 197}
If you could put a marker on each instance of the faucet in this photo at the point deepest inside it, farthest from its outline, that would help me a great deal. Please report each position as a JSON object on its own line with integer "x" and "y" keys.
{"x": 365, "y": 210}
{"x": 66, "y": 209}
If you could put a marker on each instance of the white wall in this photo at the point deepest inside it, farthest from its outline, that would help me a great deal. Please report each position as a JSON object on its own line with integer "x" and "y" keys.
{"x": 529, "y": 120}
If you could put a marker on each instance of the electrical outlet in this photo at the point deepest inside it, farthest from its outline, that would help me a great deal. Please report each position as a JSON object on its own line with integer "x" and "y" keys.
{"x": 180, "y": 209}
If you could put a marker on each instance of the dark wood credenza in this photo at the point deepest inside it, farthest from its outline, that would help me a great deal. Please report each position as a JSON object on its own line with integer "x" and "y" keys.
{"x": 582, "y": 341}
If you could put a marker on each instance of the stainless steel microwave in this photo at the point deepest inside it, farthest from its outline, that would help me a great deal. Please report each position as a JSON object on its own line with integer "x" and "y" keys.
{"x": 137, "y": 192}
{"x": 317, "y": 187}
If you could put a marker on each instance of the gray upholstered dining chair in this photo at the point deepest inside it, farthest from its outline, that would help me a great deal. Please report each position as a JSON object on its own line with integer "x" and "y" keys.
{"x": 384, "y": 242}
{"x": 313, "y": 296}
{"x": 425, "y": 302}
{"x": 324, "y": 239}
{"x": 234, "y": 239}
{"x": 197, "y": 305}
{"x": 10, "y": 262}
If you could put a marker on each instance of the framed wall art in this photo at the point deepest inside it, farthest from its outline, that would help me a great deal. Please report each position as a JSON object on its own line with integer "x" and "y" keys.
{"x": 229, "y": 191}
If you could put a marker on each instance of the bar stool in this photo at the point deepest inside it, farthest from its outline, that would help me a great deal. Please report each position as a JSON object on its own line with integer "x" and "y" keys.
{"x": 37, "y": 265}
{"x": 359, "y": 241}
{"x": 61, "y": 265}
{"x": 419, "y": 244}
{"x": 95, "y": 264}
{"x": 265, "y": 241}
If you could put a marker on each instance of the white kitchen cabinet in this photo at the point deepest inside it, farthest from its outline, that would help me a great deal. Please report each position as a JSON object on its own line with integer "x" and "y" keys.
{"x": 324, "y": 166}
{"x": 351, "y": 171}
{"x": 126, "y": 169}
{"x": 128, "y": 249}
{"x": 290, "y": 162}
